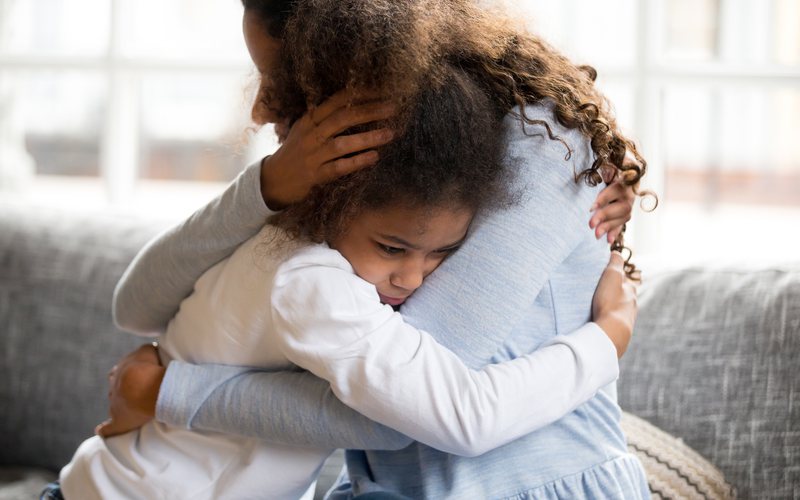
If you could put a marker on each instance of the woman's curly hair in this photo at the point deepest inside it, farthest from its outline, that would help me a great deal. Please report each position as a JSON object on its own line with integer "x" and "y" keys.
{"x": 398, "y": 46}
{"x": 436, "y": 163}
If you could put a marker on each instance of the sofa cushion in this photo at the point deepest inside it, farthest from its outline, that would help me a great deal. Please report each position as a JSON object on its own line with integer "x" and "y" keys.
{"x": 714, "y": 361}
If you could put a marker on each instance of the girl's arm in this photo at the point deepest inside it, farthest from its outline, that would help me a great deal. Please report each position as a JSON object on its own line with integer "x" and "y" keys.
{"x": 478, "y": 295}
{"x": 240, "y": 401}
{"x": 331, "y": 322}
{"x": 214, "y": 412}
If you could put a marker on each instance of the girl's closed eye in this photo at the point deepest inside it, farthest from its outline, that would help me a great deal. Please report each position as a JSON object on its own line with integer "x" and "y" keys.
{"x": 448, "y": 250}
{"x": 389, "y": 250}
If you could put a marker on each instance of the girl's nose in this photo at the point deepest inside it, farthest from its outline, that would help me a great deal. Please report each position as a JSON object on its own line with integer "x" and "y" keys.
{"x": 409, "y": 277}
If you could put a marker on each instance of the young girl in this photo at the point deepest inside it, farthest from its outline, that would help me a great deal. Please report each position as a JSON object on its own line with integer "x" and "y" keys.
{"x": 320, "y": 281}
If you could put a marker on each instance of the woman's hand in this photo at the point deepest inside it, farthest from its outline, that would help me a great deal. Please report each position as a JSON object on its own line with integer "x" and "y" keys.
{"x": 614, "y": 306}
{"x": 314, "y": 153}
{"x": 134, "y": 383}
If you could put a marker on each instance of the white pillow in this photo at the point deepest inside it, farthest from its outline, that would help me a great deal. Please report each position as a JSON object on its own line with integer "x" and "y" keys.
{"x": 673, "y": 469}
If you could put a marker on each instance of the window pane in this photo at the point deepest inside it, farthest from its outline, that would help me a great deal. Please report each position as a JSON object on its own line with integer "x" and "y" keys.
{"x": 785, "y": 40}
{"x": 690, "y": 29}
{"x": 56, "y": 118}
{"x": 193, "y": 127}
{"x": 60, "y": 27}
{"x": 734, "y": 31}
{"x": 591, "y": 32}
{"x": 193, "y": 29}
{"x": 732, "y": 145}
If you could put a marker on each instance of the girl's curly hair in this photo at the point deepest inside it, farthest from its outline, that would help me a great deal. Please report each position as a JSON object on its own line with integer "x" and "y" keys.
{"x": 398, "y": 46}
{"x": 435, "y": 163}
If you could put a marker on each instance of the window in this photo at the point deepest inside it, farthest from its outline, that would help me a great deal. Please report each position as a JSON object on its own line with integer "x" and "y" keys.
{"x": 109, "y": 96}
{"x": 126, "y": 100}
{"x": 710, "y": 90}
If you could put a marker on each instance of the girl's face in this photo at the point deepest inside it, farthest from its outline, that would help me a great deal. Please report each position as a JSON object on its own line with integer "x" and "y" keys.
{"x": 264, "y": 51}
{"x": 395, "y": 248}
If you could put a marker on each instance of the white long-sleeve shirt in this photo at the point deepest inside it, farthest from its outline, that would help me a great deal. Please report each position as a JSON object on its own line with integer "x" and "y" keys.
{"x": 274, "y": 307}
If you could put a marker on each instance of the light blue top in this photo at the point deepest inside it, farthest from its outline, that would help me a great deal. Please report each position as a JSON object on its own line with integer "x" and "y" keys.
{"x": 524, "y": 275}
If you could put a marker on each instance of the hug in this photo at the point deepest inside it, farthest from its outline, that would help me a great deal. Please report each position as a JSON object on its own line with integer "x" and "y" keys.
{"x": 426, "y": 274}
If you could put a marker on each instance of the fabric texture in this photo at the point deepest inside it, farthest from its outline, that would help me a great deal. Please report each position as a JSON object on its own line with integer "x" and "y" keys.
{"x": 714, "y": 362}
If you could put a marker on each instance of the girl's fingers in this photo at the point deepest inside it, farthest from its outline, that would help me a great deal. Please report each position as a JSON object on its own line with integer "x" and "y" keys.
{"x": 349, "y": 144}
{"x": 344, "y": 118}
{"x": 614, "y": 210}
{"x": 609, "y": 194}
{"x": 612, "y": 235}
{"x": 333, "y": 170}
{"x": 609, "y": 225}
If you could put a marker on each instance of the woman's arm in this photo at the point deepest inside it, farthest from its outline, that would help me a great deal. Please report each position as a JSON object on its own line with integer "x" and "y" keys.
{"x": 201, "y": 397}
{"x": 165, "y": 270}
{"x": 330, "y": 322}
{"x": 271, "y": 415}
{"x": 212, "y": 414}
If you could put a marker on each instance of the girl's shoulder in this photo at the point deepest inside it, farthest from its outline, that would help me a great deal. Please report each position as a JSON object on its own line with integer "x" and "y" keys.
{"x": 319, "y": 279}
{"x": 306, "y": 254}
{"x": 276, "y": 245}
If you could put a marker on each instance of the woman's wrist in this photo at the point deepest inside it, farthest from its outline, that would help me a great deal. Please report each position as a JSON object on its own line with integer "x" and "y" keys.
{"x": 267, "y": 187}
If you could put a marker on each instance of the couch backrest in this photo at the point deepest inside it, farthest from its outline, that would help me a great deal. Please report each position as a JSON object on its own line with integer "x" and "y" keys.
{"x": 57, "y": 276}
{"x": 714, "y": 360}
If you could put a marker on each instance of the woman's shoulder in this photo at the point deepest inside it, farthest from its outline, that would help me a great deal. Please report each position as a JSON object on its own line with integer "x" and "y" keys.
{"x": 537, "y": 123}
{"x": 537, "y": 141}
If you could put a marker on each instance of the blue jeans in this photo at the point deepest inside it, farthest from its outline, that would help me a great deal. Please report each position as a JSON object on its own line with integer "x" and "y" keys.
{"x": 52, "y": 492}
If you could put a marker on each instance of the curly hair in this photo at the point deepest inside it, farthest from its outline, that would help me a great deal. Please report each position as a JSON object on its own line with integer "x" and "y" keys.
{"x": 436, "y": 163}
{"x": 397, "y": 47}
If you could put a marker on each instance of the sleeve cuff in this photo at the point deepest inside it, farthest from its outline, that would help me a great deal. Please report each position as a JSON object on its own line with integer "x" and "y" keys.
{"x": 595, "y": 351}
{"x": 250, "y": 181}
{"x": 186, "y": 387}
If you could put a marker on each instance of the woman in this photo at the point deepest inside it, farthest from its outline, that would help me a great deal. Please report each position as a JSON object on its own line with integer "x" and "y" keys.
{"x": 523, "y": 276}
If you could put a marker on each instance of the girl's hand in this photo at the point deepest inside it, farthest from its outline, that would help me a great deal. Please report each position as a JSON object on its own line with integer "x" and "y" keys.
{"x": 614, "y": 304}
{"x": 134, "y": 383}
{"x": 612, "y": 209}
{"x": 614, "y": 205}
{"x": 314, "y": 153}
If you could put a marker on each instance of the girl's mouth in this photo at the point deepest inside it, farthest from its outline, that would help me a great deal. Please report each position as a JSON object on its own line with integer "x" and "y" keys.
{"x": 392, "y": 301}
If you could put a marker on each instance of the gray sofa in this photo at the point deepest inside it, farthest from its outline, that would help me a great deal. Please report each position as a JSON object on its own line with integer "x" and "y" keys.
{"x": 713, "y": 360}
